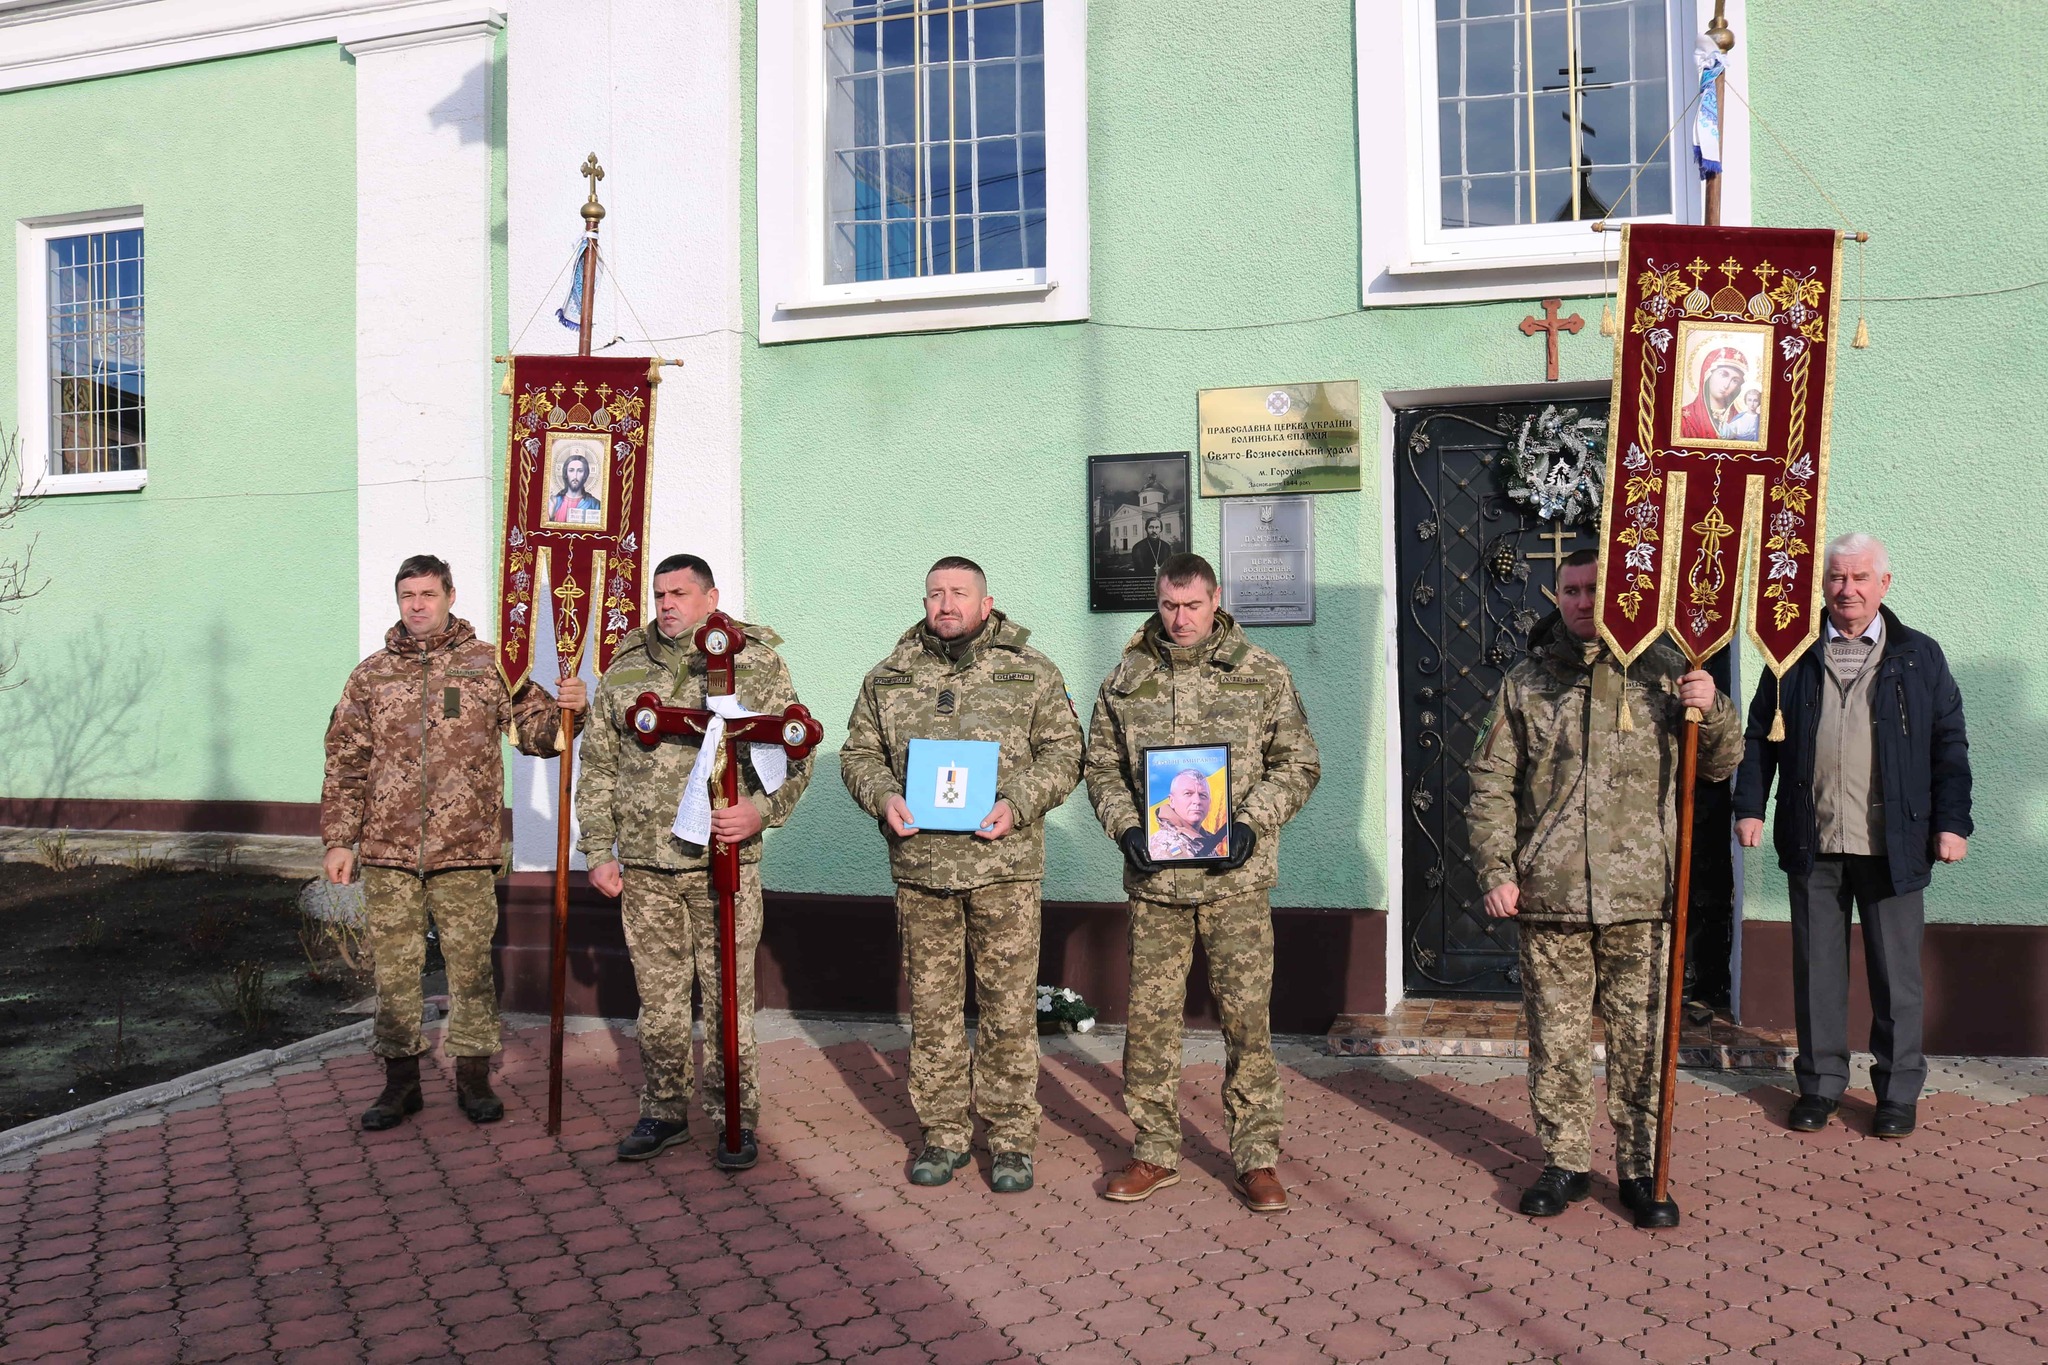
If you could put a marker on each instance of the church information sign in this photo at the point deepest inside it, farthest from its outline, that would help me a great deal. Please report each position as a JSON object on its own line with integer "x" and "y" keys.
{"x": 1279, "y": 438}
{"x": 1269, "y": 561}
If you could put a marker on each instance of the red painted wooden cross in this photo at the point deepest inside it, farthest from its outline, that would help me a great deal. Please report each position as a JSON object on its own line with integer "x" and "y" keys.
{"x": 1550, "y": 326}
{"x": 647, "y": 720}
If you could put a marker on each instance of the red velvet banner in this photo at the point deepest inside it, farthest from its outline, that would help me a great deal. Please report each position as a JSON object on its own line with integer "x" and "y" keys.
{"x": 1717, "y": 452}
{"x": 575, "y": 504}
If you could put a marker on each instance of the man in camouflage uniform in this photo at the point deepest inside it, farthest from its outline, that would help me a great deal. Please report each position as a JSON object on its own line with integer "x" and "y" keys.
{"x": 626, "y": 802}
{"x": 964, "y": 672}
{"x": 415, "y": 780}
{"x": 1190, "y": 676}
{"x": 1574, "y": 824}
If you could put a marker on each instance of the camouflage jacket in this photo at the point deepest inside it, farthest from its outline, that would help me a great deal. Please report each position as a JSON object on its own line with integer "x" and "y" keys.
{"x": 626, "y": 796}
{"x": 1001, "y": 690}
{"x": 1579, "y": 814}
{"x": 414, "y": 772}
{"x": 1225, "y": 690}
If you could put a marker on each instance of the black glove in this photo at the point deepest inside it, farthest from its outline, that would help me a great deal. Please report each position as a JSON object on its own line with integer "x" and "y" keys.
{"x": 1136, "y": 853}
{"x": 1242, "y": 840}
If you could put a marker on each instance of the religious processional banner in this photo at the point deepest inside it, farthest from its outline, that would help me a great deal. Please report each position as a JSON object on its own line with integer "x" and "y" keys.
{"x": 575, "y": 504}
{"x": 1717, "y": 456}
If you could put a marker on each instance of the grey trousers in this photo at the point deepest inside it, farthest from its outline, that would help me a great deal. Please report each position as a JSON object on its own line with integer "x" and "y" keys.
{"x": 1892, "y": 927}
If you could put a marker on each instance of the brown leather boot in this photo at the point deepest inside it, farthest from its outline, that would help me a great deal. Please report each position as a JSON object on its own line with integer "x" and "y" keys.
{"x": 473, "y": 1090}
{"x": 1137, "y": 1181}
{"x": 401, "y": 1094}
{"x": 1261, "y": 1190}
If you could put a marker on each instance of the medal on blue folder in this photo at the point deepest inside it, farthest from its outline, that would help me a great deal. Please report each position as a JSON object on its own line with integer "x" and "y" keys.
{"x": 950, "y": 784}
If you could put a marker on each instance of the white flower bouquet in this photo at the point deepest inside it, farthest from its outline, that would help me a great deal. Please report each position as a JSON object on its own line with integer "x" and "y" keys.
{"x": 1063, "y": 1011}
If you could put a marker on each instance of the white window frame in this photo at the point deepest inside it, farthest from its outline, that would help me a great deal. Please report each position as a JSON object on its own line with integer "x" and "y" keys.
{"x": 32, "y": 238}
{"x": 1405, "y": 259}
{"x": 797, "y": 304}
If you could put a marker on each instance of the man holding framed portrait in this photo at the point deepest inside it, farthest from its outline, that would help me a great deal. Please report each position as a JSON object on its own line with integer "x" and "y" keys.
{"x": 1198, "y": 752}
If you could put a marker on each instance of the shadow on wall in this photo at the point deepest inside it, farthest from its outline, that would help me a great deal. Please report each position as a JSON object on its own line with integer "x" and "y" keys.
{"x": 1972, "y": 995}
{"x": 75, "y": 724}
{"x": 467, "y": 106}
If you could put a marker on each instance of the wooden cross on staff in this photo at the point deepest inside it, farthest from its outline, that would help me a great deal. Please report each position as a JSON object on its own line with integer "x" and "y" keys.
{"x": 647, "y": 720}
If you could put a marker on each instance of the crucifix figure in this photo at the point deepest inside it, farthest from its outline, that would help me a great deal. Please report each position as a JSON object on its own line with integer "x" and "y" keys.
{"x": 1557, "y": 535}
{"x": 1550, "y": 325}
{"x": 647, "y": 720}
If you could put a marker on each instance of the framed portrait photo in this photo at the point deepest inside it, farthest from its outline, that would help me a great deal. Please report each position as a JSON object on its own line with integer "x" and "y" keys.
{"x": 1187, "y": 803}
{"x": 579, "y": 473}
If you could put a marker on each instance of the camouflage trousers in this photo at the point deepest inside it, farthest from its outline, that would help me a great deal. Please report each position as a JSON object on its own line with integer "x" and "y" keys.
{"x": 1566, "y": 975}
{"x": 998, "y": 926}
{"x": 463, "y": 905}
{"x": 671, "y": 921}
{"x": 1237, "y": 937}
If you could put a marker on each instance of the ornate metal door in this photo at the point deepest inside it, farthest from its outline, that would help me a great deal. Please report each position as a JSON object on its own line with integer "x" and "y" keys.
{"x": 1477, "y": 569}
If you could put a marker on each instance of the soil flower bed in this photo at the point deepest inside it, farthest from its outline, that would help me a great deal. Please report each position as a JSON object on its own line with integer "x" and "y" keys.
{"x": 114, "y": 977}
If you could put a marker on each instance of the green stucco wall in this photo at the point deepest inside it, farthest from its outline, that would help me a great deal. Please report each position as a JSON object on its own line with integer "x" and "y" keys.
{"x": 1224, "y": 192}
{"x": 162, "y": 657}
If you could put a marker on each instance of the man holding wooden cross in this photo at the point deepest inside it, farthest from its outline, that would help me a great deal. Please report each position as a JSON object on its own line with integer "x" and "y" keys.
{"x": 1574, "y": 827}
{"x": 627, "y": 806}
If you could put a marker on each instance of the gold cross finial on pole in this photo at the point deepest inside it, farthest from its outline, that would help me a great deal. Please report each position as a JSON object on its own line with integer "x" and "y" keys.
{"x": 593, "y": 212}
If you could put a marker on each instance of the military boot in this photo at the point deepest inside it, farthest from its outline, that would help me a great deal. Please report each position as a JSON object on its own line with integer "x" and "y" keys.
{"x": 401, "y": 1094}
{"x": 473, "y": 1090}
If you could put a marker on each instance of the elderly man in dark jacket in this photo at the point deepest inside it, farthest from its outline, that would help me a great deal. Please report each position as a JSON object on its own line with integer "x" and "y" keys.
{"x": 1873, "y": 773}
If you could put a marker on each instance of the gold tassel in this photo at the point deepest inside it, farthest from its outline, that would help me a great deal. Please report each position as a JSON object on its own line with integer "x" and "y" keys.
{"x": 1862, "y": 341}
{"x": 1624, "y": 720}
{"x": 506, "y": 386}
{"x": 1607, "y": 327}
{"x": 1777, "y": 734}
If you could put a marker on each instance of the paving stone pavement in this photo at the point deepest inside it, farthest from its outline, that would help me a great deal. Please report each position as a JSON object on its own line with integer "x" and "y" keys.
{"x": 255, "y": 1222}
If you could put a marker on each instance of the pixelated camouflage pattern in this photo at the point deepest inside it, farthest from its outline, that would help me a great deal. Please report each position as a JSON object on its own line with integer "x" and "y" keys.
{"x": 626, "y": 795}
{"x": 463, "y": 905}
{"x": 671, "y": 922}
{"x": 1581, "y": 815}
{"x": 415, "y": 775}
{"x": 1237, "y": 938}
{"x": 1224, "y": 690}
{"x": 1002, "y": 691}
{"x": 998, "y": 924}
{"x": 1566, "y": 974}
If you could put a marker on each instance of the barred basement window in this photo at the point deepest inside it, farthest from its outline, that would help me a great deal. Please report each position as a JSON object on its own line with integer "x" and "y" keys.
{"x": 935, "y": 138}
{"x": 95, "y": 338}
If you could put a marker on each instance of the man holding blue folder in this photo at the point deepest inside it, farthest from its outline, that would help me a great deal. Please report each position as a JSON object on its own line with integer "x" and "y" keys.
{"x": 961, "y": 742}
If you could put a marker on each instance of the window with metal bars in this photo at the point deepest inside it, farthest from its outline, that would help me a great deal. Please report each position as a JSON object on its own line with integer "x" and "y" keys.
{"x": 96, "y": 362}
{"x": 1546, "y": 110}
{"x": 935, "y": 138}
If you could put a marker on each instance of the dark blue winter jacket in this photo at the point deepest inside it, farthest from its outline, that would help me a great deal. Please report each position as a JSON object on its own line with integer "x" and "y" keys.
{"x": 1923, "y": 756}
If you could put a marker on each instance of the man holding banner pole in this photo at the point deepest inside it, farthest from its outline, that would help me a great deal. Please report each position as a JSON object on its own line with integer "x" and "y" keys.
{"x": 1575, "y": 829}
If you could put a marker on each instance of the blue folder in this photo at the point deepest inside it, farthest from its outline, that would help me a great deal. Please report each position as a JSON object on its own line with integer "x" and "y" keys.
{"x": 950, "y": 784}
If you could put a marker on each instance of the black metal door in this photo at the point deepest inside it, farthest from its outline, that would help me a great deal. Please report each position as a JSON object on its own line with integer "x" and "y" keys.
{"x": 1476, "y": 572}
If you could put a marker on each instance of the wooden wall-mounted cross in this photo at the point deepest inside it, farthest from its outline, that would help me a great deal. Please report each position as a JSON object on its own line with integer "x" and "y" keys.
{"x": 1550, "y": 326}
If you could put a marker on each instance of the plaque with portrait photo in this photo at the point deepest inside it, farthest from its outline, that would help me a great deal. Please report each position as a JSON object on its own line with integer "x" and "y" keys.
{"x": 1187, "y": 804}
{"x": 1137, "y": 520}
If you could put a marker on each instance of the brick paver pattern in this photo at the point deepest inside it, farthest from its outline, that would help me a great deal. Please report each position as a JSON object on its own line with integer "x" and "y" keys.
{"x": 261, "y": 1224}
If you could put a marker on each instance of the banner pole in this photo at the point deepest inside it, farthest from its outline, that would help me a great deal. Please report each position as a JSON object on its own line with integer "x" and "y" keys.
{"x": 558, "y": 955}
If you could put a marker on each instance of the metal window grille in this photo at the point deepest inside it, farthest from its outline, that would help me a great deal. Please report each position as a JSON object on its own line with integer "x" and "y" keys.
{"x": 935, "y": 137}
{"x": 1547, "y": 108}
{"x": 96, "y": 370}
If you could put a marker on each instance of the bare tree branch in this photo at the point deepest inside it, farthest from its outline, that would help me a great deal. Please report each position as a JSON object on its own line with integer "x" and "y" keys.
{"x": 17, "y": 578}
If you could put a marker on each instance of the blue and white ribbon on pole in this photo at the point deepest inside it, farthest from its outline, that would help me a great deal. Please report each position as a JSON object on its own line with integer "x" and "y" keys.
{"x": 1706, "y": 123}
{"x": 570, "y": 314}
